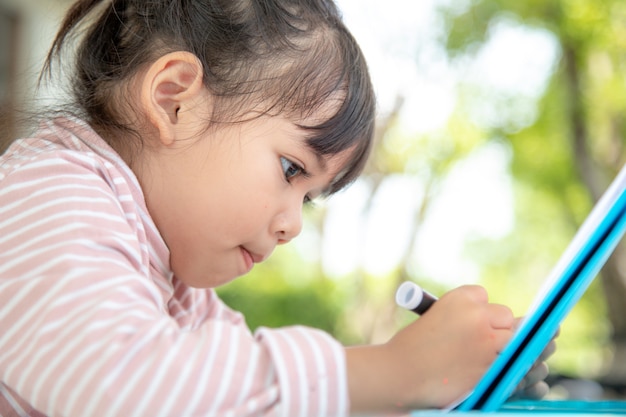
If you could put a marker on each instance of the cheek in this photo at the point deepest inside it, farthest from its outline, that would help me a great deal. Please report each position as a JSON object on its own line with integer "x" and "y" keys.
{"x": 232, "y": 211}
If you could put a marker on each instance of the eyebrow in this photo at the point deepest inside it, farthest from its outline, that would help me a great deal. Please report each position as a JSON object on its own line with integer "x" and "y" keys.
{"x": 321, "y": 168}
{"x": 321, "y": 161}
{"x": 326, "y": 191}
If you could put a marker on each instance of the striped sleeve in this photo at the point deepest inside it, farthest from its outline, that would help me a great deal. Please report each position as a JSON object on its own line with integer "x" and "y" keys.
{"x": 318, "y": 389}
{"x": 85, "y": 331}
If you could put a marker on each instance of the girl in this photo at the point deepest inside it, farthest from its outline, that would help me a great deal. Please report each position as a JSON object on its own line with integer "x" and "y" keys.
{"x": 199, "y": 129}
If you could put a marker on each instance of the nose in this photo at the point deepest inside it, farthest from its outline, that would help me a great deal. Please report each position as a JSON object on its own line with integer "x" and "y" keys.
{"x": 288, "y": 223}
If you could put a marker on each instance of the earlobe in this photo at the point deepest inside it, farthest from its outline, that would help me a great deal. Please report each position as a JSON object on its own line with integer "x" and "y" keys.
{"x": 171, "y": 84}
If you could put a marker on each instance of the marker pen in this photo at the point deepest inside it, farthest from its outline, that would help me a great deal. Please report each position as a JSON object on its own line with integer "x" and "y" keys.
{"x": 412, "y": 297}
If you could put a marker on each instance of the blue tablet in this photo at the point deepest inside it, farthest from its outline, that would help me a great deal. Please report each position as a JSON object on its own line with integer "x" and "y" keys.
{"x": 578, "y": 266}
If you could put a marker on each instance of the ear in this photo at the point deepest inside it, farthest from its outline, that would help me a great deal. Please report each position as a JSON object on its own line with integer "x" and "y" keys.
{"x": 170, "y": 87}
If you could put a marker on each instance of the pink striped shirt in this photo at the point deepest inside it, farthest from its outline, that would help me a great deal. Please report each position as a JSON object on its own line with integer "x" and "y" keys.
{"x": 92, "y": 322}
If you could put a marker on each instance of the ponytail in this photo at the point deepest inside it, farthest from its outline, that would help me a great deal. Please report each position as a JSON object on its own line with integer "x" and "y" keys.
{"x": 77, "y": 12}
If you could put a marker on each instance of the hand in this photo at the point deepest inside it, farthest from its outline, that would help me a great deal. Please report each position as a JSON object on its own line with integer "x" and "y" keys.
{"x": 435, "y": 360}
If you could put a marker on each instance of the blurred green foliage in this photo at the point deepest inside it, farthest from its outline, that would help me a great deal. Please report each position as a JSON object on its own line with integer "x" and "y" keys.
{"x": 289, "y": 290}
{"x": 285, "y": 290}
{"x": 561, "y": 161}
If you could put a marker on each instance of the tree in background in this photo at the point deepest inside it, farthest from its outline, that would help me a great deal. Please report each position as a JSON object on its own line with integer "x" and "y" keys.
{"x": 575, "y": 146}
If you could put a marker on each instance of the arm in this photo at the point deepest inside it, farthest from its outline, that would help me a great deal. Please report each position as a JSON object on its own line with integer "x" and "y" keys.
{"x": 435, "y": 360}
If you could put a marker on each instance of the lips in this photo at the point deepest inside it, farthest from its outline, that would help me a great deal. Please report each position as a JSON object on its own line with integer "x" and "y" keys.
{"x": 251, "y": 258}
{"x": 247, "y": 259}
{"x": 256, "y": 257}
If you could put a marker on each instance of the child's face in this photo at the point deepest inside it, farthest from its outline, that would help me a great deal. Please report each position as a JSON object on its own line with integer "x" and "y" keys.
{"x": 222, "y": 201}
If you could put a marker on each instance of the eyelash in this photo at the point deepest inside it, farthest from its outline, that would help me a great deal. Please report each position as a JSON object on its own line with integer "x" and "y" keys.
{"x": 291, "y": 170}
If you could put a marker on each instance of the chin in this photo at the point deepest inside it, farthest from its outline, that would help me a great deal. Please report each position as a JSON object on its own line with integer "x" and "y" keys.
{"x": 204, "y": 280}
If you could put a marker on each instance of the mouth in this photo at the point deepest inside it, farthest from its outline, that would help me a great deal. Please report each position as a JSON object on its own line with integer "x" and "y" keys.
{"x": 251, "y": 258}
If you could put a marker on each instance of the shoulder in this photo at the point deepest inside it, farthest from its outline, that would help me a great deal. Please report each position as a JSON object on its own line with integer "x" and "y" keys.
{"x": 65, "y": 153}
{"x": 59, "y": 197}
{"x": 57, "y": 177}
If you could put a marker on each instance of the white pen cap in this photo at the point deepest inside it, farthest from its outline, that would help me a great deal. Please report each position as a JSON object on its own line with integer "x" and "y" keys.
{"x": 409, "y": 295}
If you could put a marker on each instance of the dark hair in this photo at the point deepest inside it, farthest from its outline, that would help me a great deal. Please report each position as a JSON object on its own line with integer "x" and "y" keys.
{"x": 290, "y": 56}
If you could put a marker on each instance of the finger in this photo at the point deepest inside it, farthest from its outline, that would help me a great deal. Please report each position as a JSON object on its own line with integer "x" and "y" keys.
{"x": 476, "y": 293}
{"x": 548, "y": 351}
{"x": 533, "y": 385}
{"x": 536, "y": 391}
{"x": 537, "y": 373}
{"x": 501, "y": 317}
{"x": 501, "y": 338}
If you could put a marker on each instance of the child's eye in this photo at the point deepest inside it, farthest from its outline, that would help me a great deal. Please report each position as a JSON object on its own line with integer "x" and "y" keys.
{"x": 290, "y": 169}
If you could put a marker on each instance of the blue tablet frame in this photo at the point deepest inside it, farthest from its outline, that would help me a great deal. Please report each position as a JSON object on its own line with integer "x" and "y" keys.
{"x": 587, "y": 253}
